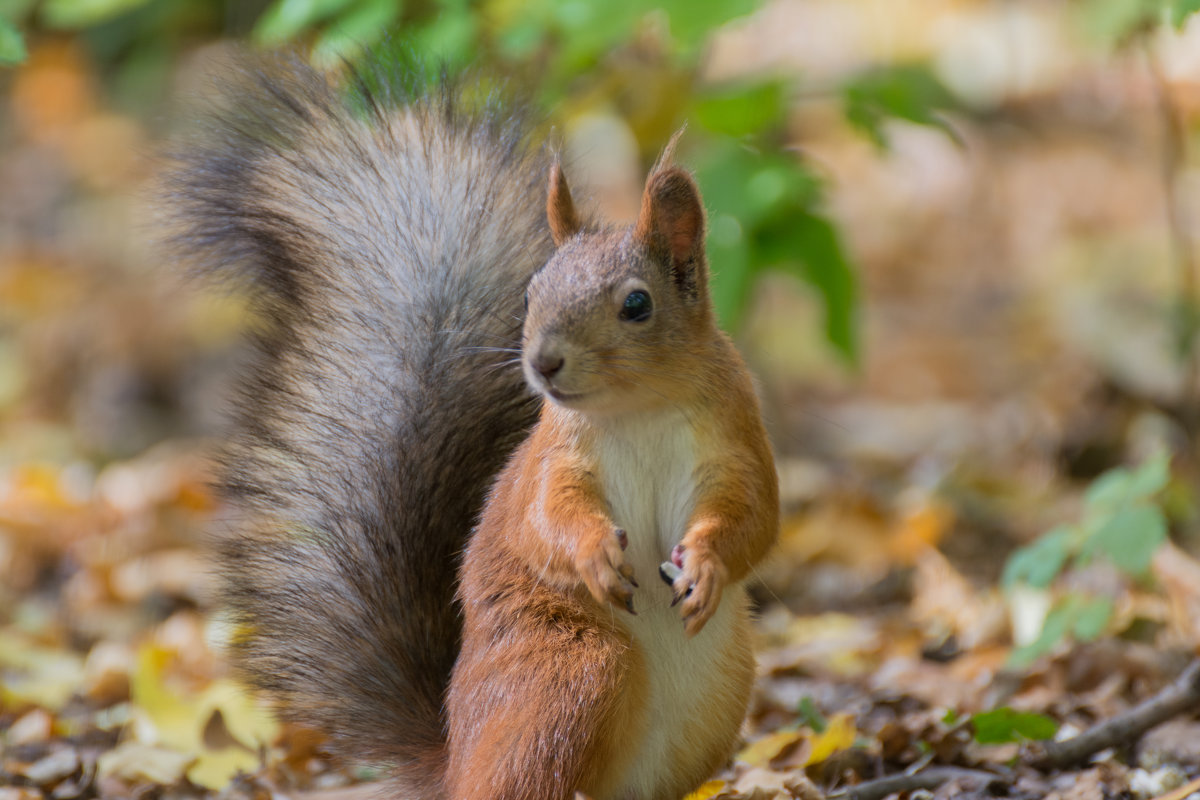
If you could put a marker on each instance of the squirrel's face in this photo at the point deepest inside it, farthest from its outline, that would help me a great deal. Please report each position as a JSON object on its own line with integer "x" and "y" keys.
{"x": 614, "y": 320}
{"x": 607, "y": 330}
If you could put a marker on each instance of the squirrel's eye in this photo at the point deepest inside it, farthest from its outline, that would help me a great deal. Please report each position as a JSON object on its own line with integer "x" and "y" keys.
{"x": 636, "y": 307}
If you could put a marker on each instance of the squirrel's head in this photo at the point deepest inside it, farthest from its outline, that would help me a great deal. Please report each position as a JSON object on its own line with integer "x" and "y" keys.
{"x": 617, "y": 320}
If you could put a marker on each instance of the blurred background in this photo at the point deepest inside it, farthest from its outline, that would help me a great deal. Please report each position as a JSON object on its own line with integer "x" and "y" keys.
{"x": 954, "y": 238}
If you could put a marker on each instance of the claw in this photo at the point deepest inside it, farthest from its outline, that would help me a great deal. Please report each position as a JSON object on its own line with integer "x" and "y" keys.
{"x": 669, "y": 571}
{"x": 629, "y": 606}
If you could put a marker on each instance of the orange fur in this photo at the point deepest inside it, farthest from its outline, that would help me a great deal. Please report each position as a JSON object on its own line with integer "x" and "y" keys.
{"x": 558, "y": 688}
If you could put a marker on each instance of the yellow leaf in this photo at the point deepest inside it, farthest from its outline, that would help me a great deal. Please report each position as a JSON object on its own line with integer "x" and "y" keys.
{"x": 36, "y": 675}
{"x": 839, "y": 735}
{"x": 706, "y": 791}
{"x": 214, "y": 769}
{"x": 236, "y": 727}
{"x": 246, "y": 720}
{"x": 172, "y": 719}
{"x": 760, "y": 753}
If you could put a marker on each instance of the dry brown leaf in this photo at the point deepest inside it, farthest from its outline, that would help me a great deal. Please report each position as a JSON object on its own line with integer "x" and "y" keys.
{"x": 924, "y": 521}
{"x": 1179, "y": 575}
{"x": 760, "y": 783}
{"x": 19, "y": 793}
{"x": 51, "y": 769}
{"x": 33, "y": 726}
{"x": 106, "y": 673}
{"x": 947, "y": 604}
{"x": 137, "y": 762}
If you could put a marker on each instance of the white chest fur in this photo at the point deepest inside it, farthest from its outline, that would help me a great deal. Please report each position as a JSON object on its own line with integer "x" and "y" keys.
{"x": 647, "y": 471}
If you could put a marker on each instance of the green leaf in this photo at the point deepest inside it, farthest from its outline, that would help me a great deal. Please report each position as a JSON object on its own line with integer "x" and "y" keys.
{"x": 909, "y": 92}
{"x": 1092, "y": 618}
{"x": 827, "y": 268}
{"x": 14, "y": 11}
{"x": 12, "y": 44}
{"x": 732, "y": 277}
{"x": 349, "y": 34}
{"x": 1004, "y": 725}
{"x": 1083, "y": 617}
{"x": 1112, "y": 21}
{"x": 1039, "y": 562}
{"x": 1181, "y": 10}
{"x": 76, "y": 14}
{"x": 1057, "y": 625}
{"x": 453, "y": 37}
{"x": 763, "y": 215}
{"x": 1120, "y": 487}
{"x": 1131, "y": 537}
{"x": 811, "y": 716}
{"x": 692, "y": 21}
{"x": 743, "y": 110}
{"x": 286, "y": 19}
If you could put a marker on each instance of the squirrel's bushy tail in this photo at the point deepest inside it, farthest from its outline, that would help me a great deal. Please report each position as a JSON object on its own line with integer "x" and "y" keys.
{"x": 388, "y": 247}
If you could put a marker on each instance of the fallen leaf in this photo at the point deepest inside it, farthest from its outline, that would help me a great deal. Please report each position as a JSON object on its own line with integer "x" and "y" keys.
{"x": 763, "y": 751}
{"x": 134, "y": 761}
{"x": 36, "y": 675}
{"x": 53, "y": 768}
{"x": 33, "y": 726}
{"x": 840, "y": 735}
{"x": 214, "y": 769}
{"x": 763, "y": 784}
{"x": 247, "y": 721}
{"x": 707, "y": 790}
{"x": 923, "y": 523}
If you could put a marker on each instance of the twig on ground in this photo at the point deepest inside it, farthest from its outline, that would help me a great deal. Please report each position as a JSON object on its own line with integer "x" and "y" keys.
{"x": 1182, "y": 695}
{"x": 925, "y": 779}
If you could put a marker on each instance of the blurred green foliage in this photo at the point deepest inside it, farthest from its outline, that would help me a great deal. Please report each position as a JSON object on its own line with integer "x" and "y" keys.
{"x": 766, "y": 203}
{"x": 1123, "y": 523}
{"x": 1004, "y": 725}
{"x": 12, "y": 45}
{"x": 1117, "y": 21}
{"x": 905, "y": 91}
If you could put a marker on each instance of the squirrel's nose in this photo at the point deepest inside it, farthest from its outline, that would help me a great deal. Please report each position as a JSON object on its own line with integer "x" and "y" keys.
{"x": 546, "y": 364}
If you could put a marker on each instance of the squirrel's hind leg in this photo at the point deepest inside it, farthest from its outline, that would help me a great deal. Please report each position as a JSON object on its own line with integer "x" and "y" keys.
{"x": 542, "y": 711}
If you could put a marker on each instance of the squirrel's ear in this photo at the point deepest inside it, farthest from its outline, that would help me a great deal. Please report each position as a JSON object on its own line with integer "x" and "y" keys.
{"x": 560, "y": 209}
{"x": 671, "y": 223}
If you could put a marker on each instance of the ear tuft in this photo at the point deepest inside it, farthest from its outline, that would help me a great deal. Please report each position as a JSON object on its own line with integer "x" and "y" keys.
{"x": 560, "y": 209}
{"x": 672, "y": 216}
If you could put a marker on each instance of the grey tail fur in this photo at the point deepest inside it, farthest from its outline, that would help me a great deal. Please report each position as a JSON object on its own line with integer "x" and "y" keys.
{"x": 387, "y": 247}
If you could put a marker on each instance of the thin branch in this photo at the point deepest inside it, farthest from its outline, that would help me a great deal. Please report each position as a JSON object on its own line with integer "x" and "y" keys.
{"x": 1182, "y": 695}
{"x": 930, "y": 778}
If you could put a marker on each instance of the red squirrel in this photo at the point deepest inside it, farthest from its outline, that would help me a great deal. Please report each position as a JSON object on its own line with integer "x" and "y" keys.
{"x": 399, "y": 245}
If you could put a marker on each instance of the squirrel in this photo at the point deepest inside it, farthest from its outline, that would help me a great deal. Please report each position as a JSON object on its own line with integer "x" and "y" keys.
{"x": 399, "y": 244}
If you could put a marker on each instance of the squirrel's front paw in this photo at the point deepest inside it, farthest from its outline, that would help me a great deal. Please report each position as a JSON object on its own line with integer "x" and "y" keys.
{"x": 605, "y": 572}
{"x": 699, "y": 583}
